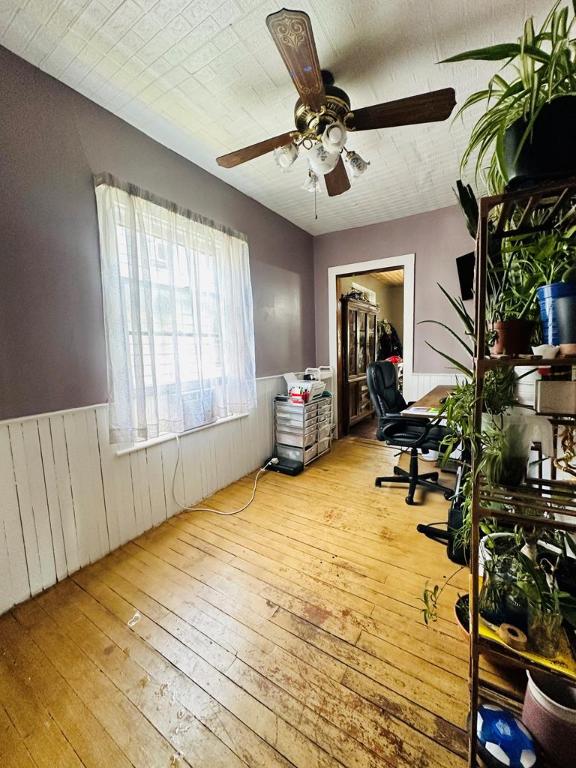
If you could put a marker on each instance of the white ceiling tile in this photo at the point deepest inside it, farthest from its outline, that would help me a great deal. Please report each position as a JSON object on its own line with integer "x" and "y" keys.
{"x": 227, "y": 13}
{"x": 201, "y": 57}
{"x": 226, "y": 39}
{"x": 176, "y": 29}
{"x": 177, "y": 53}
{"x": 11, "y": 6}
{"x": 166, "y": 10}
{"x": 147, "y": 26}
{"x": 199, "y": 10}
{"x": 154, "y": 49}
{"x": 204, "y": 77}
{"x": 122, "y": 19}
{"x": 24, "y": 25}
{"x": 202, "y": 33}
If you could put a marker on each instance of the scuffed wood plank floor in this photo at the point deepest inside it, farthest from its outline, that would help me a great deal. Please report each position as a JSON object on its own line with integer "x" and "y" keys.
{"x": 290, "y": 634}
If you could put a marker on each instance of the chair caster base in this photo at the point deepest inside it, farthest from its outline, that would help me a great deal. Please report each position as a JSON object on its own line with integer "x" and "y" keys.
{"x": 427, "y": 480}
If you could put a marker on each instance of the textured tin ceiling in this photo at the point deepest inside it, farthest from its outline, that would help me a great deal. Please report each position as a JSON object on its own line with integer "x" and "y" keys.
{"x": 203, "y": 77}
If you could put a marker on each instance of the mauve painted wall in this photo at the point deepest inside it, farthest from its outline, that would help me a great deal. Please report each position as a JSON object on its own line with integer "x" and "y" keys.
{"x": 437, "y": 238}
{"x": 52, "y": 139}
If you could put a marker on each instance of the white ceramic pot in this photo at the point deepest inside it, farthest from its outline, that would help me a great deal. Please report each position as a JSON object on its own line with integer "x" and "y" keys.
{"x": 549, "y": 351}
{"x": 549, "y": 713}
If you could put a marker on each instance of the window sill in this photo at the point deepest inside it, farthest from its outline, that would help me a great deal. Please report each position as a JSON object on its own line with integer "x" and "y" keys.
{"x": 174, "y": 436}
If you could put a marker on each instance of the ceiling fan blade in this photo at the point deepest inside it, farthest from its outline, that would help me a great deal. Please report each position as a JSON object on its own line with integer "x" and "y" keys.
{"x": 424, "y": 108}
{"x": 337, "y": 180}
{"x": 254, "y": 150}
{"x": 292, "y": 33}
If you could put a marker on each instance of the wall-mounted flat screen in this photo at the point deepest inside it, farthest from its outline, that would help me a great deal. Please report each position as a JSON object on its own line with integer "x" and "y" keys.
{"x": 465, "y": 266}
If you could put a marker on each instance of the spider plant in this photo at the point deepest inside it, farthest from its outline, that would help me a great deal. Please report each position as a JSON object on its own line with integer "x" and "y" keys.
{"x": 512, "y": 285}
{"x": 542, "y": 66}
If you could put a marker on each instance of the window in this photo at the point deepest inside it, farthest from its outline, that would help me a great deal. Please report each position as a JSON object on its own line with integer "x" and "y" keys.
{"x": 178, "y": 315}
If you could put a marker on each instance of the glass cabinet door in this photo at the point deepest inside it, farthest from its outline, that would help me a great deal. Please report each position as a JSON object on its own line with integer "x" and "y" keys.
{"x": 352, "y": 359}
{"x": 371, "y": 342}
{"x": 361, "y": 319}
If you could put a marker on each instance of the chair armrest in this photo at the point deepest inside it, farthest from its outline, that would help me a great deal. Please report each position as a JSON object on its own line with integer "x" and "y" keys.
{"x": 389, "y": 426}
{"x": 407, "y": 421}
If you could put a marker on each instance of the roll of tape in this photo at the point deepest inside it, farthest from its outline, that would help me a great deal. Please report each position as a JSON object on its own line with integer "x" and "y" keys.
{"x": 513, "y": 637}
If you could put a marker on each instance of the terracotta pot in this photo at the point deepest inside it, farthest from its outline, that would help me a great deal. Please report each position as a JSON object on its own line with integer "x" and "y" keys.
{"x": 513, "y": 337}
{"x": 462, "y": 614}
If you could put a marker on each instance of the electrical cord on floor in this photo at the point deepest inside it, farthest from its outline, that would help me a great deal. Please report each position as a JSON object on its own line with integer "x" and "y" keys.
{"x": 209, "y": 509}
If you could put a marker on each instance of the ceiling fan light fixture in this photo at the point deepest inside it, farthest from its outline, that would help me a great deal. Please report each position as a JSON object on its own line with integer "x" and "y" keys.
{"x": 334, "y": 137}
{"x": 321, "y": 161}
{"x": 312, "y": 183}
{"x": 356, "y": 164}
{"x": 285, "y": 156}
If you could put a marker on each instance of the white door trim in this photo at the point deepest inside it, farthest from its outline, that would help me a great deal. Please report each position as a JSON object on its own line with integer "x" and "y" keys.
{"x": 407, "y": 263}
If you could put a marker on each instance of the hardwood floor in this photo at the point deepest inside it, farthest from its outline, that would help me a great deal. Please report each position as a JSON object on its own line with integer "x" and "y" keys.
{"x": 290, "y": 634}
{"x": 365, "y": 429}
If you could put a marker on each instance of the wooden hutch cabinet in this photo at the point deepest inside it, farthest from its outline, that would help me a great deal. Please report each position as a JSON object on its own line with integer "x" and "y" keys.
{"x": 358, "y": 349}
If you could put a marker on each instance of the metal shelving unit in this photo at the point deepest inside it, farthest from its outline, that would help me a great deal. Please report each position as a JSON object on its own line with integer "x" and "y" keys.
{"x": 553, "y": 205}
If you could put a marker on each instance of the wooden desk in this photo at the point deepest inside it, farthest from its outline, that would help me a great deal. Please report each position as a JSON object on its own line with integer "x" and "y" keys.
{"x": 429, "y": 405}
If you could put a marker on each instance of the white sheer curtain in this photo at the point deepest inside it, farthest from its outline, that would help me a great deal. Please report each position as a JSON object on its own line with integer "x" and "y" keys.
{"x": 178, "y": 315}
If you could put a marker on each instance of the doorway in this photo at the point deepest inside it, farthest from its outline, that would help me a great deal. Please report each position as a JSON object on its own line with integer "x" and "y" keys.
{"x": 371, "y": 318}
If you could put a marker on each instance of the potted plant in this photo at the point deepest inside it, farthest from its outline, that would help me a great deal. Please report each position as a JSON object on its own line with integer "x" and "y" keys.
{"x": 537, "y": 581}
{"x": 527, "y": 131}
{"x": 511, "y": 306}
{"x": 550, "y": 258}
{"x": 505, "y": 452}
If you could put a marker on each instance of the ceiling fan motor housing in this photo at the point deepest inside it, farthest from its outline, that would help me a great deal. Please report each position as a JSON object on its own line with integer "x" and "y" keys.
{"x": 336, "y": 108}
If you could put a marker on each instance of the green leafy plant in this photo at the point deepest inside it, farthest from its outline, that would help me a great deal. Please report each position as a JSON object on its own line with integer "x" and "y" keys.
{"x": 548, "y": 257}
{"x": 504, "y": 454}
{"x": 538, "y": 582}
{"x": 430, "y": 598}
{"x": 543, "y": 68}
{"x": 469, "y": 206}
{"x": 512, "y": 286}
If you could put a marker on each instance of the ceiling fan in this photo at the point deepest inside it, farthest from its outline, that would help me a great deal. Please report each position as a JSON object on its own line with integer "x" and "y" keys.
{"x": 322, "y": 113}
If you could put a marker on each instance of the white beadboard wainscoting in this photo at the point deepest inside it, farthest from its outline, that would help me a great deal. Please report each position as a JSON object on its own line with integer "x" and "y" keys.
{"x": 416, "y": 385}
{"x": 67, "y": 498}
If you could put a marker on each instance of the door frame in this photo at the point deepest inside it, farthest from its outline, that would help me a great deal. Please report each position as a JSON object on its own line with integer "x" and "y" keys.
{"x": 407, "y": 262}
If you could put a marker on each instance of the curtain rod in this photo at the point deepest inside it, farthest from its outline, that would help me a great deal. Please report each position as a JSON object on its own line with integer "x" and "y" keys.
{"x": 132, "y": 189}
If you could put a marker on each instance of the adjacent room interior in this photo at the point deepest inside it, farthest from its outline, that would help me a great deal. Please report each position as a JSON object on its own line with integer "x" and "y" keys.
{"x": 287, "y": 384}
{"x": 371, "y": 316}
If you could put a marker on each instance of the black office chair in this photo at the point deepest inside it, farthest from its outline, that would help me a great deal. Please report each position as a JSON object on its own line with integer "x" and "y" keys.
{"x": 417, "y": 434}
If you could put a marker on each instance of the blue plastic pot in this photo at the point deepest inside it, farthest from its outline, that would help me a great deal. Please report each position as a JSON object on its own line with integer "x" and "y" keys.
{"x": 547, "y": 296}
